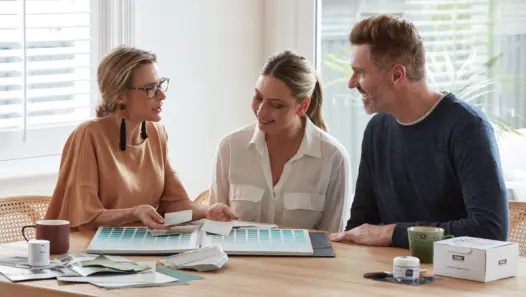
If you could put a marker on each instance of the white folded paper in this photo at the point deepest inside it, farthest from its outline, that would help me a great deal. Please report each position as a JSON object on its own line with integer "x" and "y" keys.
{"x": 112, "y": 279}
{"x": 148, "y": 278}
{"x": 74, "y": 263}
{"x": 178, "y": 217}
{"x": 204, "y": 259}
{"x": 122, "y": 281}
{"x": 154, "y": 279}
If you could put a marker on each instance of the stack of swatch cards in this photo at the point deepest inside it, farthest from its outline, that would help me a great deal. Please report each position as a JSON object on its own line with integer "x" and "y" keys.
{"x": 204, "y": 259}
{"x": 181, "y": 222}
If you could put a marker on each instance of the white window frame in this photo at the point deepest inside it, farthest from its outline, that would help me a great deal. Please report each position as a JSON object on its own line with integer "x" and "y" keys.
{"x": 40, "y": 154}
{"x": 293, "y": 25}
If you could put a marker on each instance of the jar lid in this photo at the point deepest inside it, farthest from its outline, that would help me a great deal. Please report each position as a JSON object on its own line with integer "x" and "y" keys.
{"x": 406, "y": 261}
{"x": 39, "y": 241}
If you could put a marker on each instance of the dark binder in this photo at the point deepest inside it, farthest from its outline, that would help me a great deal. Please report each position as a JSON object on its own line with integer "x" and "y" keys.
{"x": 321, "y": 245}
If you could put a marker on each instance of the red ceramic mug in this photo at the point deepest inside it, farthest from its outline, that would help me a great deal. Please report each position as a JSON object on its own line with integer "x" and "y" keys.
{"x": 56, "y": 231}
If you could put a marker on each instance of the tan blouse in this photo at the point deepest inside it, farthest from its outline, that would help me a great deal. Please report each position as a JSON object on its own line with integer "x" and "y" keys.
{"x": 95, "y": 175}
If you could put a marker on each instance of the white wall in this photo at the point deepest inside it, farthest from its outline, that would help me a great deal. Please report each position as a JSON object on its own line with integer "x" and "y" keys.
{"x": 42, "y": 184}
{"x": 292, "y": 25}
{"x": 212, "y": 52}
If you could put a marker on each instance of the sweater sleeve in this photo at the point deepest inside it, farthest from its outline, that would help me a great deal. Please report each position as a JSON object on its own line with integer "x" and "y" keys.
{"x": 364, "y": 208}
{"x": 75, "y": 197}
{"x": 477, "y": 164}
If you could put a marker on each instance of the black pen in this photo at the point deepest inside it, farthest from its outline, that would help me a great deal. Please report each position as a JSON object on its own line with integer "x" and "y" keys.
{"x": 374, "y": 275}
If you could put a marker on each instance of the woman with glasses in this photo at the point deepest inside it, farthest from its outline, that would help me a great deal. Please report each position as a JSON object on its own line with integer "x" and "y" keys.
{"x": 115, "y": 168}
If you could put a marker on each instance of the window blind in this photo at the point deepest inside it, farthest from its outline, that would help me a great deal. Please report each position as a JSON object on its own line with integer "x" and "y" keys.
{"x": 452, "y": 31}
{"x": 45, "y": 58}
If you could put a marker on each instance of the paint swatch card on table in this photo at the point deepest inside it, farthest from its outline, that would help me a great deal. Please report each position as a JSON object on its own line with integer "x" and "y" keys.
{"x": 102, "y": 261}
{"x": 216, "y": 227}
{"x": 178, "y": 217}
{"x": 182, "y": 276}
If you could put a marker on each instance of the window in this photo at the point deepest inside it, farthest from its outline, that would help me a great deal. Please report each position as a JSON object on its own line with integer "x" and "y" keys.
{"x": 46, "y": 74}
{"x": 473, "y": 48}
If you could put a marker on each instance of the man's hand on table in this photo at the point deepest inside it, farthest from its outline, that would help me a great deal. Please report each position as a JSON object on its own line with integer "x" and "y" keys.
{"x": 366, "y": 234}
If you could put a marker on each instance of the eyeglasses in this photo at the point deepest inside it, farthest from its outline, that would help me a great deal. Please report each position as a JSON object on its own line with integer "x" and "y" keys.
{"x": 154, "y": 90}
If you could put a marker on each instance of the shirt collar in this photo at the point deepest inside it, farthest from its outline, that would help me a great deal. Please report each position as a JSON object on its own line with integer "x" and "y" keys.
{"x": 310, "y": 145}
{"x": 258, "y": 140}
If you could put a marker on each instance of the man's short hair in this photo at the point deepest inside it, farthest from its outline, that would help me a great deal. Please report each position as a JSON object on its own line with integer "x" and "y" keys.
{"x": 393, "y": 41}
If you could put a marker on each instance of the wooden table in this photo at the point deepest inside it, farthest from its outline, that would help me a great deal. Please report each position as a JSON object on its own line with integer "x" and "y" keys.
{"x": 280, "y": 276}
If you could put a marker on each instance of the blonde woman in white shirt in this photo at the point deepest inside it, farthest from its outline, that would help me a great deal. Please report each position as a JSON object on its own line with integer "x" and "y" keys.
{"x": 284, "y": 169}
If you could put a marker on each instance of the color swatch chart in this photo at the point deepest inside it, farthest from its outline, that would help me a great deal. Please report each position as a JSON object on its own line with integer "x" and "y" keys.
{"x": 137, "y": 240}
{"x": 263, "y": 242}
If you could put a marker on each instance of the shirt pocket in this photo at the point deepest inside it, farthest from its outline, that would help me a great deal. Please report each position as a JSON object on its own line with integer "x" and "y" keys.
{"x": 245, "y": 201}
{"x": 302, "y": 210}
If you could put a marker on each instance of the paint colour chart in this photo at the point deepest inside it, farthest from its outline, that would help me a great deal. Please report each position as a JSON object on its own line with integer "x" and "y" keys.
{"x": 138, "y": 240}
{"x": 263, "y": 241}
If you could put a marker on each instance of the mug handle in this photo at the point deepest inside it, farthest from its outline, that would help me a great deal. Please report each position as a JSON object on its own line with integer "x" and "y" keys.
{"x": 449, "y": 236}
{"x": 23, "y": 228}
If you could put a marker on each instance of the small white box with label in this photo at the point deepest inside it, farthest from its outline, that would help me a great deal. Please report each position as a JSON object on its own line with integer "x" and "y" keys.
{"x": 475, "y": 259}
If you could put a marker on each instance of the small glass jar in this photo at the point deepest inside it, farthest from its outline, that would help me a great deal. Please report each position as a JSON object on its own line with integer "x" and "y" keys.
{"x": 406, "y": 268}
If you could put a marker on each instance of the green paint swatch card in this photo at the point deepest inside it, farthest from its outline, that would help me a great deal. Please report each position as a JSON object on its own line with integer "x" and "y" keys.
{"x": 121, "y": 266}
{"x": 183, "y": 276}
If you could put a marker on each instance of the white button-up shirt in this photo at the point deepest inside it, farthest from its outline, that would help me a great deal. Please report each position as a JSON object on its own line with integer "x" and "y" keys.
{"x": 312, "y": 192}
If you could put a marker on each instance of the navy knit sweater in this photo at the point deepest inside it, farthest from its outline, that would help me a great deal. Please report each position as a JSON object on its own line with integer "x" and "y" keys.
{"x": 442, "y": 171}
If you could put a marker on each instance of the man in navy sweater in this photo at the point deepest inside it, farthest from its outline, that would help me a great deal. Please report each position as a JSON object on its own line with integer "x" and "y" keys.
{"x": 428, "y": 158}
